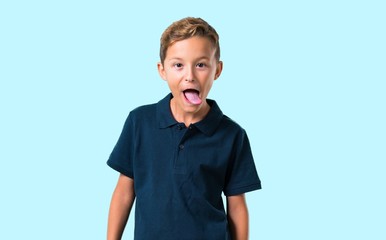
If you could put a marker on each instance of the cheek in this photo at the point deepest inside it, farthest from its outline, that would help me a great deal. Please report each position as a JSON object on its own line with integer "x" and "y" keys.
{"x": 172, "y": 82}
{"x": 208, "y": 76}
{"x": 174, "y": 75}
{"x": 207, "y": 86}
{"x": 205, "y": 74}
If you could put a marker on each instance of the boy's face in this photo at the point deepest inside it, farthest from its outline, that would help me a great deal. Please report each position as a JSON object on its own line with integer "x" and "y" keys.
{"x": 190, "y": 67}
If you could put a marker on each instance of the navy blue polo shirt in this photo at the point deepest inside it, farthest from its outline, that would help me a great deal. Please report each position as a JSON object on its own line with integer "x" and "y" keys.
{"x": 180, "y": 172}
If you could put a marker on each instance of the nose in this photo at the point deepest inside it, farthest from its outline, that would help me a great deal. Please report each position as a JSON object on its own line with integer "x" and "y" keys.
{"x": 189, "y": 76}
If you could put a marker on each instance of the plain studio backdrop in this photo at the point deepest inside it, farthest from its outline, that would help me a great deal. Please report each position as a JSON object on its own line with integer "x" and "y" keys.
{"x": 306, "y": 79}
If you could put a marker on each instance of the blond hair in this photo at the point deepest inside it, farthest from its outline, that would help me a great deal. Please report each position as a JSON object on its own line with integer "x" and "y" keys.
{"x": 187, "y": 28}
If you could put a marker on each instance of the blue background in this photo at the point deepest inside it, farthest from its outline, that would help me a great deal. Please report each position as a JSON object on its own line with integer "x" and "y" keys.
{"x": 306, "y": 79}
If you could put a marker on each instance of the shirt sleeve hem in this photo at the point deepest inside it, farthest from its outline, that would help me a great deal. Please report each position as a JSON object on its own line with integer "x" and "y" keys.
{"x": 241, "y": 190}
{"x": 118, "y": 168}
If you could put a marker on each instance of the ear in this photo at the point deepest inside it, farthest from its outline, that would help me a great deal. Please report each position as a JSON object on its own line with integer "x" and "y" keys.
{"x": 161, "y": 71}
{"x": 218, "y": 70}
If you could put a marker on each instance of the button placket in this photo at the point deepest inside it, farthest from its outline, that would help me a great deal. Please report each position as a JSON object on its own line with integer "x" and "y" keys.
{"x": 181, "y": 157}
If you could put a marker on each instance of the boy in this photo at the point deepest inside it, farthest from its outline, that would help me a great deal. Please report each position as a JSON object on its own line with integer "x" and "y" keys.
{"x": 177, "y": 156}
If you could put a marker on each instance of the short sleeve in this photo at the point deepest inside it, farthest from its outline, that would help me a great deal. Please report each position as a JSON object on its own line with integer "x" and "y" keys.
{"x": 121, "y": 158}
{"x": 242, "y": 175}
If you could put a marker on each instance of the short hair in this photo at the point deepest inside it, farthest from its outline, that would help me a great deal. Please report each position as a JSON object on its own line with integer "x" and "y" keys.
{"x": 186, "y": 28}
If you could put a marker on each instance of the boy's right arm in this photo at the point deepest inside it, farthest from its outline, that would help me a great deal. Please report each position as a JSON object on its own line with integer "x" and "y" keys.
{"x": 120, "y": 207}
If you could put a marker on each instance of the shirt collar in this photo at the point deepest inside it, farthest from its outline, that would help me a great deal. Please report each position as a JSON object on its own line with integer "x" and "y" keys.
{"x": 208, "y": 125}
{"x": 164, "y": 114}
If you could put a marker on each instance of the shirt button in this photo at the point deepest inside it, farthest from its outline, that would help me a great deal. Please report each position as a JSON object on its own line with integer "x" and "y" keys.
{"x": 181, "y": 146}
{"x": 179, "y": 127}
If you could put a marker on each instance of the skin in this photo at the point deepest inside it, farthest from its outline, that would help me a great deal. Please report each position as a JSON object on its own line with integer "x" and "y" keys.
{"x": 120, "y": 207}
{"x": 189, "y": 64}
{"x": 238, "y": 217}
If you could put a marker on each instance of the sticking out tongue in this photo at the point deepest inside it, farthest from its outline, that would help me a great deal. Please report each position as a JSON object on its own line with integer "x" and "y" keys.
{"x": 192, "y": 97}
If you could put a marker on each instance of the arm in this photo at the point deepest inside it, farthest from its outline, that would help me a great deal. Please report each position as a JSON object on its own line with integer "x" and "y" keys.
{"x": 120, "y": 207}
{"x": 238, "y": 217}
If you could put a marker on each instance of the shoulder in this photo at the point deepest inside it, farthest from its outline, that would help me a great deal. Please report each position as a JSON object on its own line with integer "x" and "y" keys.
{"x": 139, "y": 115}
{"x": 143, "y": 111}
{"x": 151, "y": 110}
{"x": 216, "y": 122}
{"x": 229, "y": 124}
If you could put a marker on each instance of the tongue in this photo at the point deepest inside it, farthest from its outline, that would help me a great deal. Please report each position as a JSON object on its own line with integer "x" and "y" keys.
{"x": 193, "y": 97}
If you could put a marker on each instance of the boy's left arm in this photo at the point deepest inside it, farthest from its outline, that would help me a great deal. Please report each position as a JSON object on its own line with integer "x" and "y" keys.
{"x": 237, "y": 212}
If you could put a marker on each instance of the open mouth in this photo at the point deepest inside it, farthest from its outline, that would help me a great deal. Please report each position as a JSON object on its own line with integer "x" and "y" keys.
{"x": 192, "y": 96}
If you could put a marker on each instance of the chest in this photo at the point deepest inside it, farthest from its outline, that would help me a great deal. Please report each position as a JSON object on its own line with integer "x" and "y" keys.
{"x": 178, "y": 153}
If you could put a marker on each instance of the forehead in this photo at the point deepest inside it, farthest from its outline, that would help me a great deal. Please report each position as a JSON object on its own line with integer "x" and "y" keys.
{"x": 191, "y": 48}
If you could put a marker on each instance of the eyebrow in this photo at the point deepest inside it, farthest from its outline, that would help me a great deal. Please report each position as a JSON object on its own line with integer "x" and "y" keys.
{"x": 180, "y": 59}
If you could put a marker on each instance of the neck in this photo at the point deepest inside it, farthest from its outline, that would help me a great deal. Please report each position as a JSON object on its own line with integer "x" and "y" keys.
{"x": 189, "y": 117}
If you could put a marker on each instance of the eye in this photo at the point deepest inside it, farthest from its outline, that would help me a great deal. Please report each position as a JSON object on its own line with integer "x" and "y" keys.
{"x": 201, "y": 65}
{"x": 178, "y": 65}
